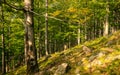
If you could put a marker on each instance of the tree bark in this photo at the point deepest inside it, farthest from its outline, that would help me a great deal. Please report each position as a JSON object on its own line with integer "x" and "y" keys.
{"x": 3, "y": 43}
{"x": 8, "y": 52}
{"x": 106, "y": 27}
{"x": 26, "y": 44}
{"x": 32, "y": 65}
{"x": 78, "y": 39}
{"x": 3, "y": 53}
{"x": 39, "y": 41}
{"x": 46, "y": 29}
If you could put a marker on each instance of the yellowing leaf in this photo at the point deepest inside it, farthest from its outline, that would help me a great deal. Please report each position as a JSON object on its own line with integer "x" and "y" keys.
{"x": 56, "y": 13}
{"x": 74, "y": 16}
{"x": 72, "y": 10}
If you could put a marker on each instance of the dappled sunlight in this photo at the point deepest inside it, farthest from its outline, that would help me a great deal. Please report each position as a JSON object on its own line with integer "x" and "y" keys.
{"x": 72, "y": 10}
{"x": 56, "y": 13}
{"x": 99, "y": 60}
{"x": 21, "y": 70}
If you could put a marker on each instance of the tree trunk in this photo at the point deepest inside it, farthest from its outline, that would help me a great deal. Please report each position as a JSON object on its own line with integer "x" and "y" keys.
{"x": 46, "y": 29}
{"x": 32, "y": 65}
{"x": 3, "y": 53}
{"x": 106, "y": 26}
{"x": 8, "y": 52}
{"x": 78, "y": 39}
{"x": 39, "y": 43}
{"x": 26, "y": 43}
{"x": 3, "y": 43}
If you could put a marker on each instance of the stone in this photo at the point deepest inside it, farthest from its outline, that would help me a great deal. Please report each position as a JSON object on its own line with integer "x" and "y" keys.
{"x": 86, "y": 50}
{"x": 77, "y": 71}
{"x": 62, "y": 69}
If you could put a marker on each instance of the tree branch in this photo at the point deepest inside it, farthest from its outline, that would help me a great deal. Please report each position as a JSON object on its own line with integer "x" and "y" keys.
{"x": 13, "y": 6}
{"x": 44, "y": 16}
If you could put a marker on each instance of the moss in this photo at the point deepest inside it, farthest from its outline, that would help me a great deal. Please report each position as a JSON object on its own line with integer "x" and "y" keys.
{"x": 96, "y": 43}
{"x": 114, "y": 67}
{"x": 105, "y": 51}
{"x": 21, "y": 71}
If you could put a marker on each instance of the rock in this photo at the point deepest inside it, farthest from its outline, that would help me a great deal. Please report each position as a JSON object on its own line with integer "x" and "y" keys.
{"x": 39, "y": 73}
{"x": 45, "y": 72}
{"x": 48, "y": 56}
{"x": 77, "y": 71}
{"x": 86, "y": 50}
{"x": 92, "y": 58}
{"x": 62, "y": 69}
{"x": 111, "y": 42}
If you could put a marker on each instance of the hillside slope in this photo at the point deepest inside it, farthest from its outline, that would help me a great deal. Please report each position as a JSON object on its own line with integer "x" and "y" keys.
{"x": 96, "y": 57}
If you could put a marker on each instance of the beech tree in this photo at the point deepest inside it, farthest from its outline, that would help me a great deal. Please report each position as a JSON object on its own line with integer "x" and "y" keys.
{"x": 32, "y": 65}
{"x": 30, "y": 28}
{"x": 31, "y": 55}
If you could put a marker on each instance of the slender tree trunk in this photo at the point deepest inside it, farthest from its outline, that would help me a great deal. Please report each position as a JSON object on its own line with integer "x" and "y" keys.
{"x": 82, "y": 31}
{"x": 8, "y": 52}
{"x": 69, "y": 43}
{"x": 50, "y": 50}
{"x": 26, "y": 43}
{"x": 94, "y": 23}
{"x": 55, "y": 45}
{"x": 3, "y": 52}
{"x": 39, "y": 33}
{"x": 78, "y": 34}
{"x": 32, "y": 65}
{"x": 106, "y": 27}
{"x": 39, "y": 43}
{"x": 46, "y": 29}
{"x": 85, "y": 32}
{"x": 3, "y": 43}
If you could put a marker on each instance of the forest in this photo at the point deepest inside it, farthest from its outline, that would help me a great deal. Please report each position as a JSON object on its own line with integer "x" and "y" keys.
{"x": 59, "y": 37}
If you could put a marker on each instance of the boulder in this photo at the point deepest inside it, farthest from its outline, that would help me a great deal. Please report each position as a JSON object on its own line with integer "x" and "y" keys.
{"x": 62, "y": 69}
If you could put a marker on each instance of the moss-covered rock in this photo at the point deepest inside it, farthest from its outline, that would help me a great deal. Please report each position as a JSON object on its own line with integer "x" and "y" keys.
{"x": 98, "y": 57}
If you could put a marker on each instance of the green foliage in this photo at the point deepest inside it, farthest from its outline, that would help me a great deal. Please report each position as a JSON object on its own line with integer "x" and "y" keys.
{"x": 102, "y": 60}
{"x": 114, "y": 67}
{"x": 65, "y": 17}
{"x": 97, "y": 42}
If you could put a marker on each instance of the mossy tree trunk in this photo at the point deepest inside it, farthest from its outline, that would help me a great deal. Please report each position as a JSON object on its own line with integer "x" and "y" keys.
{"x": 32, "y": 65}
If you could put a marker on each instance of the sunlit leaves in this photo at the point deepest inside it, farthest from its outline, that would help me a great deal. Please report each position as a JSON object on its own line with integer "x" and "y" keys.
{"x": 72, "y": 10}
{"x": 56, "y": 13}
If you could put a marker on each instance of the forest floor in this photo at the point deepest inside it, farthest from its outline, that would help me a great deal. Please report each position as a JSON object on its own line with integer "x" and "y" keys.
{"x": 96, "y": 57}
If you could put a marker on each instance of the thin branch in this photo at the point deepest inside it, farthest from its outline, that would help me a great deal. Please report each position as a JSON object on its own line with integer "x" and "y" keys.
{"x": 22, "y": 9}
{"x": 35, "y": 13}
{"x": 55, "y": 18}
{"x": 44, "y": 16}
{"x": 13, "y": 6}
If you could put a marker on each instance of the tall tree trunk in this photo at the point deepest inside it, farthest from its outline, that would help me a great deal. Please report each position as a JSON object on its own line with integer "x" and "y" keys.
{"x": 39, "y": 43}
{"x": 3, "y": 52}
{"x": 32, "y": 65}
{"x": 106, "y": 26}
{"x": 46, "y": 29}
{"x": 8, "y": 52}
{"x": 3, "y": 43}
{"x": 26, "y": 44}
